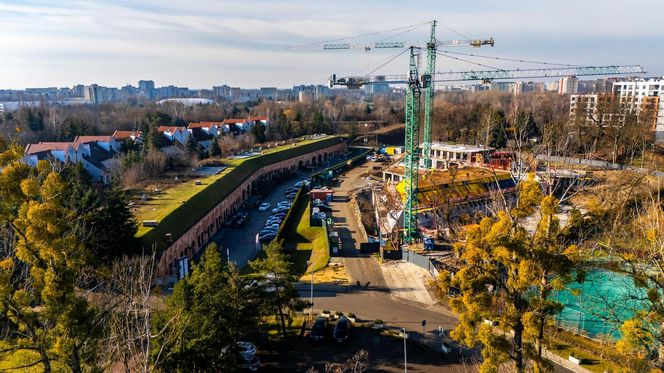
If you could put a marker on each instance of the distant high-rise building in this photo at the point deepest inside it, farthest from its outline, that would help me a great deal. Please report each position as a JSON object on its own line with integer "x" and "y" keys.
{"x": 268, "y": 92}
{"x": 568, "y": 85}
{"x": 146, "y": 85}
{"x": 552, "y": 86}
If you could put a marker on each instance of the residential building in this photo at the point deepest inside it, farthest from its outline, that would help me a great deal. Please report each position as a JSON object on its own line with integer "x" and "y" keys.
{"x": 568, "y": 85}
{"x": 637, "y": 94}
{"x": 174, "y": 133}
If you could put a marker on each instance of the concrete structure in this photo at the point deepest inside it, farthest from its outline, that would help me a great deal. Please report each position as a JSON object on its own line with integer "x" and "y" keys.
{"x": 444, "y": 154}
{"x": 198, "y": 236}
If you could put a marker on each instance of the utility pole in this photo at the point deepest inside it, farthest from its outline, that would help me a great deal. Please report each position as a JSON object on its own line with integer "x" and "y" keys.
{"x": 311, "y": 310}
{"x": 405, "y": 356}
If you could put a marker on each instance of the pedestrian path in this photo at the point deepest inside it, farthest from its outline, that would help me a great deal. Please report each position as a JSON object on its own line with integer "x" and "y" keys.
{"x": 407, "y": 281}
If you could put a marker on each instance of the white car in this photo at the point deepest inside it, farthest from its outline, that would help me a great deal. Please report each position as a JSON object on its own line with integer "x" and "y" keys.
{"x": 264, "y": 206}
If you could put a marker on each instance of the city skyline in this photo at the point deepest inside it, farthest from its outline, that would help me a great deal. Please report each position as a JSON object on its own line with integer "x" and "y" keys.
{"x": 243, "y": 43}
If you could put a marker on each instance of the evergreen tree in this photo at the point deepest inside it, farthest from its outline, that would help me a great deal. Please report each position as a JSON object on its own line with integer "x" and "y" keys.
{"x": 47, "y": 320}
{"x": 214, "y": 150}
{"x": 191, "y": 146}
{"x": 211, "y": 310}
{"x": 276, "y": 271}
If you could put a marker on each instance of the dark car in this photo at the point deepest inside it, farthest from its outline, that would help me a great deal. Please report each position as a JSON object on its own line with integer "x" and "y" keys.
{"x": 318, "y": 330}
{"x": 342, "y": 329}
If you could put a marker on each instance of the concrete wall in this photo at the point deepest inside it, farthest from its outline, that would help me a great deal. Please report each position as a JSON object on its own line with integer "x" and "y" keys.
{"x": 198, "y": 236}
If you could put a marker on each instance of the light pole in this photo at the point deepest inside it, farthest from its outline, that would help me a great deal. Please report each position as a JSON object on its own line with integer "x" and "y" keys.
{"x": 311, "y": 310}
{"x": 405, "y": 356}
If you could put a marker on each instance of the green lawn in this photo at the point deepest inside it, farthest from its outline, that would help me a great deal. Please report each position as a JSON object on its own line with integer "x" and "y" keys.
{"x": 310, "y": 243}
{"x": 179, "y": 208}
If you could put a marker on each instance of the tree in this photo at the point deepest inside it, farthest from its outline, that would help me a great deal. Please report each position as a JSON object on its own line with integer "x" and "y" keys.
{"x": 275, "y": 270}
{"x": 499, "y": 267}
{"x": 45, "y": 314}
{"x": 258, "y": 130}
{"x": 107, "y": 226}
{"x": 214, "y": 150}
{"x": 191, "y": 146}
{"x": 209, "y": 312}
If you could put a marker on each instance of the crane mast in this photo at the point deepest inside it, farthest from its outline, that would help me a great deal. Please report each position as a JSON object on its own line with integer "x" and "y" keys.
{"x": 411, "y": 144}
{"x": 428, "y": 97}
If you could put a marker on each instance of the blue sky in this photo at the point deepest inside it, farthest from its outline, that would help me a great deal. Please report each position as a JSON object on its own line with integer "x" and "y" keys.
{"x": 241, "y": 42}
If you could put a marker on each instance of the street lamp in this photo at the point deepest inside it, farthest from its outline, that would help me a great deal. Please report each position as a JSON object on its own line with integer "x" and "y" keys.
{"x": 405, "y": 357}
{"x": 311, "y": 310}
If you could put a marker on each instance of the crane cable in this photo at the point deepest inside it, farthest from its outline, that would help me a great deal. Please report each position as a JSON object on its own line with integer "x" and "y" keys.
{"x": 509, "y": 59}
{"x": 386, "y": 62}
{"x": 412, "y": 27}
{"x": 442, "y": 54}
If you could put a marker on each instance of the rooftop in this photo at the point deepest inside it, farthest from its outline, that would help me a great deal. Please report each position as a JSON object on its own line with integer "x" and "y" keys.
{"x": 460, "y": 148}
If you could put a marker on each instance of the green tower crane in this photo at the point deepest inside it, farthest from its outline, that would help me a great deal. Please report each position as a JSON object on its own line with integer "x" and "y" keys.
{"x": 411, "y": 144}
{"x": 428, "y": 97}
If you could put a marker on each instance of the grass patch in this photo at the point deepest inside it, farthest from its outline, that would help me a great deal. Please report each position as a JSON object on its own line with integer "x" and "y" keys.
{"x": 563, "y": 343}
{"x": 181, "y": 207}
{"x": 309, "y": 243}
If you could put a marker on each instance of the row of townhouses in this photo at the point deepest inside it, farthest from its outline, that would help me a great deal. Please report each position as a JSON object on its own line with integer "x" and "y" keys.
{"x": 95, "y": 153}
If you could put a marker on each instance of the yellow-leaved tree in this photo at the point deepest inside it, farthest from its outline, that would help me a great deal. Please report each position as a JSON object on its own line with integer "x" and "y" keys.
{"x": 505, "y": 276}
{"x": 49, "y": 325}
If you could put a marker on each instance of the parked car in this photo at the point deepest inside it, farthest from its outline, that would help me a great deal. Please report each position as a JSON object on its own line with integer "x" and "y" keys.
{"x": 291, "y": 190}
{"x": 317, "y": 202}
{"x": 251, "y": 364}
{"x": 291, "y": 196}
{"x": 342, "y": 329}
{"x": 267, "y": 237}
{"x": 280, "y": 215}
{"x": 284, "y": 203}
{"x": 280, "y": 209}
{"x": 264, "y": 206}
{"x": 247, "y": 349}
{"x": 318, "y": 329}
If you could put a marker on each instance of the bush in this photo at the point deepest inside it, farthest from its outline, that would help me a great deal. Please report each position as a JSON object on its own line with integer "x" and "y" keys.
{"x": 378, "y": 322}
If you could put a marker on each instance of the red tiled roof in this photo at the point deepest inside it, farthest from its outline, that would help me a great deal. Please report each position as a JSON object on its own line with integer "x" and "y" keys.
{"x": 234, "y": 120}
{"x": 46, "y": 146}
{"x": 203, "y": 124}
{"x": 258, "y": 118}
{"x": 170, "y": 128}
{"x": 88, "y": 139}
{"x": 118, "y": 135}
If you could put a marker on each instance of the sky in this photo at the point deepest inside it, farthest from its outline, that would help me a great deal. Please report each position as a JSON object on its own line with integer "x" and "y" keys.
{"x": 201, "y": 43}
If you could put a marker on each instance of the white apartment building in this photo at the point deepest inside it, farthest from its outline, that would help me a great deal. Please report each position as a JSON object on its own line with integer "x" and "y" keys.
{"x": 645, "y": 93}
{"x": 568, "y": 85}
{"x": 641, "y": 93}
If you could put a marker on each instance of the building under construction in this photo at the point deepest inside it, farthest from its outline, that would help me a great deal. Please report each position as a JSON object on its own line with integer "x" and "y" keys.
{"x": 462, "y": 183}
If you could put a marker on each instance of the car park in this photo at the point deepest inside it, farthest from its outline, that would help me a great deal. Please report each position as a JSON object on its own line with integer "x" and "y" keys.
{"x": 318, "y": 329}
{"x": 264, "y": 206}
{"x": 342, "y": 329}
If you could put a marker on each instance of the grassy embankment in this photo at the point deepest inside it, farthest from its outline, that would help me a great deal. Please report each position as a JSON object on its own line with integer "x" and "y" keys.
{"x": 178, "y": 209}
{"x": 309, "y": 243}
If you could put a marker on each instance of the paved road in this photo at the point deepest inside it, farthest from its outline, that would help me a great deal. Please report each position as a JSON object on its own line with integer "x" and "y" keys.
{"x": 361, "y": 268}
{"x": 241, "y": 242}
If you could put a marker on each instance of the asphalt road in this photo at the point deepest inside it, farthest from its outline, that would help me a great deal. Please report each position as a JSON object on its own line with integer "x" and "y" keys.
{"x": 361, "y": 268}
{"x": 241, "y": 242}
